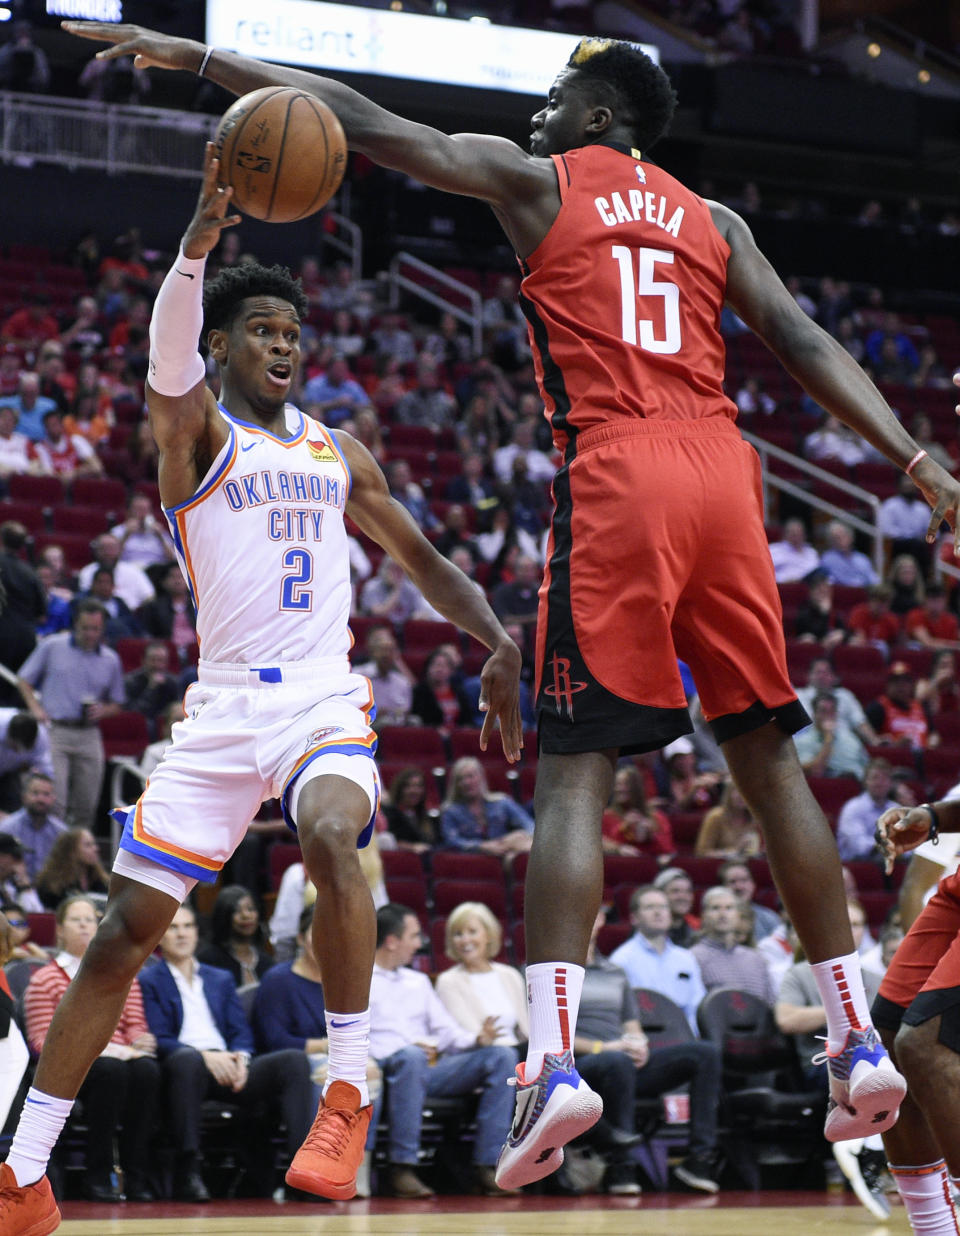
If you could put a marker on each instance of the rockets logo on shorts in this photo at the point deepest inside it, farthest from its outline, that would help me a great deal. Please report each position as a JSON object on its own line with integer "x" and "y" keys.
{"x": 563, "y": 689}
{"x": 319, "y": 736}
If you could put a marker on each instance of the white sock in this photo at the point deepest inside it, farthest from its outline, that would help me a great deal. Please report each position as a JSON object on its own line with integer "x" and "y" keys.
{"x": 41, "y": 1123}
{"x": 840, "y": 983}
{"x": 348, "y": 1046}
{"x": 553, "y": 994}
{"x": 926, "y": 1198}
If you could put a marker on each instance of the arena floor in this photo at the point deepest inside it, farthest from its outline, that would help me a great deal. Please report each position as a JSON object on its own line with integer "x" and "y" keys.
{"x": 729, "y": 1214}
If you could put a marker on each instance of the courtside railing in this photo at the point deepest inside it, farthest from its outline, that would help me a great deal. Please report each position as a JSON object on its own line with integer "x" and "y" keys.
{"x": 428, "y": 283}
{"x": 767, "y": 451}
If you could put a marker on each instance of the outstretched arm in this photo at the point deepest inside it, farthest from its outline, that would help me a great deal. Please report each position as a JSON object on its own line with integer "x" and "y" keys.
{"x": 446, "y": 588}
{"x": 823, "y": 368}
{"x": 183, "y": 411}
{"x": 490, "y": 168}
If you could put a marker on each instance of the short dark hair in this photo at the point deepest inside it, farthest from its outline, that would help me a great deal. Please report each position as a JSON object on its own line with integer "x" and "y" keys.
{"x": 88, "y": 605}
{"x": 23, "y": 729}
{"x": 390, "y": 920}
{"x": 223, "y": 296}
{"x": 638, "y": 895}
{"x": 13, "y": 535}
{"x": 640, "y": 87}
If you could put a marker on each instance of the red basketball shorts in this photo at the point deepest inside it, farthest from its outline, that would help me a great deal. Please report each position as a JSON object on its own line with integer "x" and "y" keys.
{"x": 658, "y": 551}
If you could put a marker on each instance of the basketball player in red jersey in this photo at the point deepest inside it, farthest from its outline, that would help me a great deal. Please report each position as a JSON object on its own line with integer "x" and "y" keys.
{"x": 657, "y": 547}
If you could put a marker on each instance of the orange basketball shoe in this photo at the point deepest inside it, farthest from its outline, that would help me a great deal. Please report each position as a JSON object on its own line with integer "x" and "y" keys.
{"x": 328, "y": 1160}
{"x": 30, "y": 1211}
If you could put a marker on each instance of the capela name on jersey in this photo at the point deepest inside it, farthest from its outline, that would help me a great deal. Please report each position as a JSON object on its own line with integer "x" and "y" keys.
{"x": 644, "y": 207}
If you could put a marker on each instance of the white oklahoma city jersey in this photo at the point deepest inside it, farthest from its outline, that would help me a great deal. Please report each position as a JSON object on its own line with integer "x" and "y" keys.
{"x": 263, "y": 547}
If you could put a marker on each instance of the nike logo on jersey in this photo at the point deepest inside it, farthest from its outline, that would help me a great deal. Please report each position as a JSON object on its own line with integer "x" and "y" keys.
{"x": 245, "y": 446}
{"x": 342, "y": 1025}
{"x": 184, "y": 273}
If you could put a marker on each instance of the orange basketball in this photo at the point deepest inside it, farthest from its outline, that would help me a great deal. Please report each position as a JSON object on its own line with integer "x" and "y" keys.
{"x": 283, "y": 152}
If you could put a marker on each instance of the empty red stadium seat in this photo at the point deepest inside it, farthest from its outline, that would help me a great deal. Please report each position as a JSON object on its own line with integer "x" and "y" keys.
{"x": 448, "y": 894}
{"x": 124, "y": 734}
{"x": 282, "y": 855}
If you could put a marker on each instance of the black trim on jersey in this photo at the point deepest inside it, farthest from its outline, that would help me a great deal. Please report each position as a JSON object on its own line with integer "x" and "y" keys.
{"x": 885, "y": 1014}
{"x": 791, "y": 717}
{"x": 942, "y": 1002}
{"x": 553, "y": 381}
{"x": 574, "y": 711}
{"x": 563, "y": 160}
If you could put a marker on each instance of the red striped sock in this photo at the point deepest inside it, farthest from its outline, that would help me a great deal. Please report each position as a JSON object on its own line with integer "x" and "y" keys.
{"x": 840, "y": 983}
{"x": 553, "y": 994}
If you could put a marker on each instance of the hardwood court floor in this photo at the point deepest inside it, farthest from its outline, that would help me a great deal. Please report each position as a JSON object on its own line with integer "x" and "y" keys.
{"x": 730, "y": 1214}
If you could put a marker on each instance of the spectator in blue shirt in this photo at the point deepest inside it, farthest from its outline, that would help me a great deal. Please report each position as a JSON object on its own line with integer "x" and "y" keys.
{"x": 474, "y": 819}
{"x": 30, "y": 406}
{"x": 844, "y": 564}
{"x": 650, "y": 960}
{"x": 333, "y": 396}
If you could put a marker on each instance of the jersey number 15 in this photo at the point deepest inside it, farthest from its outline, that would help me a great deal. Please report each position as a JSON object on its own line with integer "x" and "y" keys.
{"x": 640, "y": 289}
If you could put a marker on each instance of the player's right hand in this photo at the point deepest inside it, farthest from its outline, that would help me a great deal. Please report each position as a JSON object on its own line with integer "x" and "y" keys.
{"x": 149, "y": 48}
{"x": 500, "y": 699}
{"x": 210, "y": 217}
{"x": 899, "y": 830}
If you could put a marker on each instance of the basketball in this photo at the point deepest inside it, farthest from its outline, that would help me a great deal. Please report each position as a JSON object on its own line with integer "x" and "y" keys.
{"x": 283, "y": 151}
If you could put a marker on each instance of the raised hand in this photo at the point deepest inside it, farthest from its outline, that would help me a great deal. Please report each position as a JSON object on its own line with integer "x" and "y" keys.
{"x": 210, "y": 217}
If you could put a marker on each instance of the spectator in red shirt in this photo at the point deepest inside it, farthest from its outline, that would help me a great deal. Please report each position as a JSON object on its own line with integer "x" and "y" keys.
{"x": 872, "y": 621}
{"x": 33, "y": 324}
{"x": 930, "y": 624}
{"x": 941, "y": 691}
{"x": 630, "y": 824}
{"x": 65, "y": 455}
{"x": 898, "y": 716}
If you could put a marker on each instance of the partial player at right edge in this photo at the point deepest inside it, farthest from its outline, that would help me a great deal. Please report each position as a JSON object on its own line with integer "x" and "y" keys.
{"x": 918, "y": 1015}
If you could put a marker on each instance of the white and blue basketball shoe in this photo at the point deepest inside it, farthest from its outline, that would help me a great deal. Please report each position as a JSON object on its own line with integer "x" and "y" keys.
{"x": 550, "y": 1112}
{"x": 865, "y": 1088}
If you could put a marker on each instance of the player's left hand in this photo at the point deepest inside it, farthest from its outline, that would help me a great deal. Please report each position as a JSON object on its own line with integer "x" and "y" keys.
{"x": 500, "y": 699}
{"x": 210, "y": 216}
{"x": 899, "y": 830}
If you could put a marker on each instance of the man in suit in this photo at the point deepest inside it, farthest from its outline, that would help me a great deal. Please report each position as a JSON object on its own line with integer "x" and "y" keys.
{"x": 205, "y": 1046}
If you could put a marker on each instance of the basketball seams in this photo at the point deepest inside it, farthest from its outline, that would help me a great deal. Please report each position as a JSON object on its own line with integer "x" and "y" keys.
{"x": 326, "y": 160}
{"x": 238, "y": 130}
{"x": 281, "y": 151}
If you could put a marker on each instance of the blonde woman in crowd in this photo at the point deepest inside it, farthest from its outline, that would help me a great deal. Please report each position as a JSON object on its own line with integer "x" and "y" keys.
{"x": 478, "y": 987}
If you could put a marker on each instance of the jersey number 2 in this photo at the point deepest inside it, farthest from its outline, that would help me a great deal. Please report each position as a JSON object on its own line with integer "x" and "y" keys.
{"x": 641, "y": 332}
{"x": 294, "y": 594}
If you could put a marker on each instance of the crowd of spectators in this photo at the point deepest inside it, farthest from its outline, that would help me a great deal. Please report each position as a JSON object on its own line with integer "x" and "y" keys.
{"x": 466, "y": 450}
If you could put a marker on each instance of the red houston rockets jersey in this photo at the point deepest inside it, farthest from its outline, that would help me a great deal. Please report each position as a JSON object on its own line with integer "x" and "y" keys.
{"x": 623, "y": 297}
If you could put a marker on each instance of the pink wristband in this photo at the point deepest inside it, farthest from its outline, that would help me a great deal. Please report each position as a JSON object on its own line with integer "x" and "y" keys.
{"x": 914, "y": 461}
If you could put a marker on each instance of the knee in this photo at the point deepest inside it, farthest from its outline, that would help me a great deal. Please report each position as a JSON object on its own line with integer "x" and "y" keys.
{"x": 325, "y": 841}
{"x": 501, "y": 1061}
{"x": 186, "y": 1065}
{"x": 407, "y": 1061}
{"x": 914, "y": 1045}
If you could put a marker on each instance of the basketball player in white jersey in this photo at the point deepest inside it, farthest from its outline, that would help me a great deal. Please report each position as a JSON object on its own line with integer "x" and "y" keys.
{"x": 255, "y": 495}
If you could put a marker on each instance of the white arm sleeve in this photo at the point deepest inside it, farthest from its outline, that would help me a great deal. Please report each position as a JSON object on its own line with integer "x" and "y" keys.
{"x": 175, "y": 364}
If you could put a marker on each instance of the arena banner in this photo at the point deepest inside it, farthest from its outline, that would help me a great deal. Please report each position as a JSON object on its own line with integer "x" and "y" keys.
{"x": 337, "y": 37}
